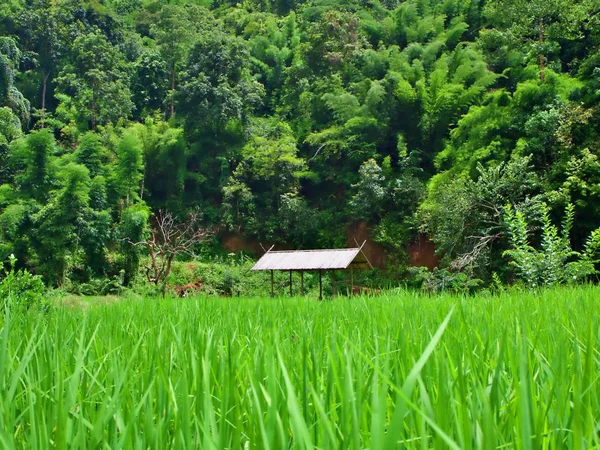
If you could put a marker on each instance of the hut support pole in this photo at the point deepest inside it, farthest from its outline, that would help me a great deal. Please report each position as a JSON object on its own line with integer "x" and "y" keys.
{"x": 272, "y": 289}
{"x": 333, "y": 293}
{"x": 351, "y": 280}
{"x": 320, "y": 286}
{"x": 302, "y": 283}
{"x": 291, "y": 284}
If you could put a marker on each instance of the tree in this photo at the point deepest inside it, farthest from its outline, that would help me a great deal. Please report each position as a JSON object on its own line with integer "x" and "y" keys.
{"x": 536, "y": 21}
{"x": 269, "y": 169}
{"x": 150, "y": 82}
{"x": 165, "y": 152}
{"x": 174, "y": 33}
{"x": 217, "y": 87}
{"x": 238, "y": 208}
{"x": 465, "y": 217}
{"x": 95, "y": 239}
{"x": 334, "y": 39}
{"x": 10, "y": 129}
{"x": 39, "y": 175}
{"x": 96, "y": 80}
{"x": 370, "y": 191}
{"x": 58, "y": 225}
{"x": 523, "y": 123}
{"x": 216, "y": 97}
{"x": 128, "y": 171}
{"x": 168, "y": 240}
{"x": 41, "y": 35}
{"x": 356, "y": 130}
{"x": 271, "y": 43}
{"x": 133, "y": 227}
{"x": 10, "y": 57}
{"x": 89, "y": 153}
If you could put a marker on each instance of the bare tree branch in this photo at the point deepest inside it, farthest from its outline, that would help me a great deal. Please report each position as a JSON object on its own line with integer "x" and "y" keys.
{"x": 170, "y": 238}
{"x": 316, "y": 153}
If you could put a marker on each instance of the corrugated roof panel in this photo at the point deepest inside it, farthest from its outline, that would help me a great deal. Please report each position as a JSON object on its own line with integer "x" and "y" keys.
{"x": 312, "y": 260}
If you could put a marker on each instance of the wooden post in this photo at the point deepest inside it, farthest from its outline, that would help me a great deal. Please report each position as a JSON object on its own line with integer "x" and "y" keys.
{"x": 351, "y": 280}
{"x": 333, "y": 293}
{"x": 302, "y": 282}
{"x": 272, "y": 290}
{"x": 320, "y": 286}
{"x": 291, "y": 294}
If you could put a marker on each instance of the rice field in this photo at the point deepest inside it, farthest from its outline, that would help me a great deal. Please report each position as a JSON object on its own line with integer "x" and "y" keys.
{"x": 512, "y": 371}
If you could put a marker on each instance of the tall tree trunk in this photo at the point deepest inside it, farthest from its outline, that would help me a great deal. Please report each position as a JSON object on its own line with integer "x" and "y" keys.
{"x": 172, "y": 89}
{"x": 541, "y": 57}
{"x": 165, "y": 275}
{"x": 142, "y": 186}
{"x": 44, "y": 86}
{"x": 94, "y": 112}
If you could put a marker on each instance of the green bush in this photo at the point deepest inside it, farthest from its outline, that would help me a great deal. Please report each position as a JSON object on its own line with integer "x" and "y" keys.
{"x": 100, "y": 286}
{"x": 231, "y": 277}
{"x": 20, "y": 290}
{"x": 442, "y": 280}
{"x": 555, "y": 262}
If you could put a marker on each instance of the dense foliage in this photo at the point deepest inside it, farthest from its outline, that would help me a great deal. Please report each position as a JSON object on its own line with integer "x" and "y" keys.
{"x": 289, "y": 120}
{"x": 516, "y": 370}
{"x": 21, "y": 291}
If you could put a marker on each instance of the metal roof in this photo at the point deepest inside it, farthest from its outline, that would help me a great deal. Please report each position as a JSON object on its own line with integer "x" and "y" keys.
{"x": 313, "y": 260}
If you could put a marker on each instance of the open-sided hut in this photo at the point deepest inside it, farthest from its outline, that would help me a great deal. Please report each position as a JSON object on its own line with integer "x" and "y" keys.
{"x": 315, "y": 260}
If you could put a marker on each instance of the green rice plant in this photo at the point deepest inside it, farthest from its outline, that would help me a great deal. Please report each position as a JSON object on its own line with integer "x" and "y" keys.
{"x": 516, "y": 370}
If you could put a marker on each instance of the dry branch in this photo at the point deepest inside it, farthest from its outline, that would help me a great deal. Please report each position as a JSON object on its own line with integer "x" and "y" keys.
{"x": 170, "y": 238}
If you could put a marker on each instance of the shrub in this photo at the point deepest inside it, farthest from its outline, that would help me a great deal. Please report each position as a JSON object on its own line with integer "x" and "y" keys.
{"x": 20, "y": 290}
{"x": 442, "y": 280}
{"x": 100, "y": 286}
{"x": 229, "y": 278}
{"x": 556, "y": 262}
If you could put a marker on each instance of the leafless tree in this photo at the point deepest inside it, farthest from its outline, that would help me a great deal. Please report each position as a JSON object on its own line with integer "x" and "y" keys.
{"x": 478, "y": 246}
{"x": 168, "y": 239}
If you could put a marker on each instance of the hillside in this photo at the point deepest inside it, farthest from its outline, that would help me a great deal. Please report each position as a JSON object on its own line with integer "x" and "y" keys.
{"x": 289, "y": 121}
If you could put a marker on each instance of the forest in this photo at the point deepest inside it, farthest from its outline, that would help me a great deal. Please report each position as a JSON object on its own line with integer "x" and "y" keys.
{"x": 474, "y": 124}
